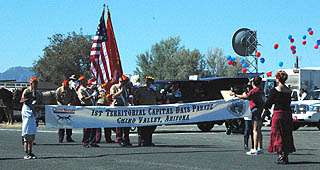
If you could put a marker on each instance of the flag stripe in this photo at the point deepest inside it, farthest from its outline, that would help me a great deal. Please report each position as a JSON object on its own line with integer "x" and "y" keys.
{"x": 96, "y": 45}
{"x": 97, "y": 55}
{"x": 104, "y": 54}
{"x": 105, "y": 67}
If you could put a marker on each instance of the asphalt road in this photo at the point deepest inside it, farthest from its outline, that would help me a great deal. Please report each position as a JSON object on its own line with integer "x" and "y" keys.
{"x": 177, "y": 147}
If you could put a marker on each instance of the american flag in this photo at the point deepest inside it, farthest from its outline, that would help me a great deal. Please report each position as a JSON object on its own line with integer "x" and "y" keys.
{"x": 104, "y": 54}
{"x": 100, "y": 68}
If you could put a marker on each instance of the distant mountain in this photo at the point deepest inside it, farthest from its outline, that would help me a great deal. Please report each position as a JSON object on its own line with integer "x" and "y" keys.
{"x": 17, "y": 73}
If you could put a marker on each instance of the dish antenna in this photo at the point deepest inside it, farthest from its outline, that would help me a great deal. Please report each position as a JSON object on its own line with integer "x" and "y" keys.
{"x": 244, "y": 43}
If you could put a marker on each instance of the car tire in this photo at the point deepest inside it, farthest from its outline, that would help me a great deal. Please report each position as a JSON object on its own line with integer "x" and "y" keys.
{"x": 205, "y": 127}
{"x": 1, "y": 117}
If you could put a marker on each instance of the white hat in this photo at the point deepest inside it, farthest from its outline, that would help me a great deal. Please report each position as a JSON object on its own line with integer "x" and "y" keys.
{"x": 72, "y": 77}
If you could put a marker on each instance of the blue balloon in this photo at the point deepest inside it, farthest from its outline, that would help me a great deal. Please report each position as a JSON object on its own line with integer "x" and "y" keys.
{"x": 245, "y": 65}
{"x": 289, "y": 37}
{"x": 229, "y": 57}
{"x": 280, "y": 64}
{"x": 318, "y": 42}
{"x": 242, "y": 60}
{"x": 262, "y": 60}
{"x": 309, "y": 29}
{"x": 304, "y": 37}
{"x": 233, "y": 59}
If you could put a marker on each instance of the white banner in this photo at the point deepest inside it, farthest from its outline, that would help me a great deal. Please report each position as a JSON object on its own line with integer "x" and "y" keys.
{"x": 58, "y": 116}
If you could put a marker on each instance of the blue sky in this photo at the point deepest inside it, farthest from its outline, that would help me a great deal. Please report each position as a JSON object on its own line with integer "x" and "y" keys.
{"x": 201, "y": 24}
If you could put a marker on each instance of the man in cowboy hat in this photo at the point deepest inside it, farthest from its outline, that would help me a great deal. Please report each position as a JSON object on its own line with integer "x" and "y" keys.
{"x": 65, "y": 96}
{"x": 87, "y": 99}
{"x": 146, "y": 95}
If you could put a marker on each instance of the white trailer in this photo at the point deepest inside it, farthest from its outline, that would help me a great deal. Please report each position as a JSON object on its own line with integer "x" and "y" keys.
{"x": 304, "y": 78}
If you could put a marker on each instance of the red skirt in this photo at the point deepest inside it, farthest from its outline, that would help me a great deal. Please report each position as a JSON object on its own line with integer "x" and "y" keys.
{"x": 281, "y": 139}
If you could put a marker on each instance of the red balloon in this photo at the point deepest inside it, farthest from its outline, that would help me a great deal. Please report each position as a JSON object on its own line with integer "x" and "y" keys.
{"x": 292, "y": 47}
{"x": 304, "y": 42}
{"x": 292, "y": 40}
{"x": 311, "y": 32}
{"x": 244, "y": 70}
{"x": 258, "y": 54}
{"x": 230, "y": 62}
{"x": 276, "y": 46}
{"x": 269, "y": 74}
{"x": 316, "y": 46}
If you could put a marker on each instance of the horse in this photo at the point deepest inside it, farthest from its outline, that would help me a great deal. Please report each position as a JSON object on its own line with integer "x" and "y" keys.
{"x": 6, "y": 103}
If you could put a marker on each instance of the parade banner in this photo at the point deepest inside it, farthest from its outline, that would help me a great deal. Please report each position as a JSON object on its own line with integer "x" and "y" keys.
{"x": 58, "y": 116}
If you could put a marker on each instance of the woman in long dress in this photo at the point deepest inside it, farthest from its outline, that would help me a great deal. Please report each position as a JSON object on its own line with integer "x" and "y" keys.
{"x": 281, "y": 139}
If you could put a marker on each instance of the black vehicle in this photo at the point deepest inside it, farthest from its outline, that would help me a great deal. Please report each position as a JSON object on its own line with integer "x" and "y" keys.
{"x": 185, "y": 91}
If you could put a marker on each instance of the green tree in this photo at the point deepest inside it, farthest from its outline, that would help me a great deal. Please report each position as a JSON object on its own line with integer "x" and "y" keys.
{"x": 216, "y": 62}
{"x": 233, "y": 71}
{"x": 218, "y": 66}
{"x": 64, "y": 56}
{"x": 169, "y": 60}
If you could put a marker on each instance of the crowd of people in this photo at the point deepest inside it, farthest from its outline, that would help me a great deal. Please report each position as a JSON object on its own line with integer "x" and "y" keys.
{"x": 82, "y": 92}
{"x": 85, "y": 92}
{"x": 281, "y": 138}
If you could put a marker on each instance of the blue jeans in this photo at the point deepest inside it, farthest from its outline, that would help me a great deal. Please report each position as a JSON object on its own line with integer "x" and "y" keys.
{"x": 248, "y": 132}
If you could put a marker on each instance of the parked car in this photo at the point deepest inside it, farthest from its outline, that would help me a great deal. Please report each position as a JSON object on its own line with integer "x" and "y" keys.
{"x": 201, "y": 90}
{"x": 307, "y": 112}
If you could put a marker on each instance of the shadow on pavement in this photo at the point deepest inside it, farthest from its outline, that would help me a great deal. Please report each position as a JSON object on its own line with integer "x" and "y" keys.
{"x": 302, "y": 154}
{"x": 3, "y": 159}
{"x": 142, "y": 153}
{"x": 188, "y": 131}
{"x": 122, "y": 154}
{"x": 308, "y": 149}
{"x": 58, "y": 144}
{"x": 304, "y": 162}
{"x": 186, "y": 146}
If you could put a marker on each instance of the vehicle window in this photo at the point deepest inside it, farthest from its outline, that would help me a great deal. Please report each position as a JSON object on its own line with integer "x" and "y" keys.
{"x": 293, "y": 109}
{"x": 315, "y": 108}
{"x": 294, "y": 96}
{"x": 315, "y": 95}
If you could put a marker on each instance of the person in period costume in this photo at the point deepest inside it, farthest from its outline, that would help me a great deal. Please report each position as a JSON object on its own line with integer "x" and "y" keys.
{"x": 281, "y": 138}
{"x": 146, "y": 95}
{"x": 120, "y": 95}
{"x": 87, "y": 99}
{"x": 66, "y": 96}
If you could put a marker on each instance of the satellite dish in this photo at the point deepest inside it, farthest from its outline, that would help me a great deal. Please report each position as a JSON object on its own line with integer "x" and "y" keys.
{"x": 244, "y": 42}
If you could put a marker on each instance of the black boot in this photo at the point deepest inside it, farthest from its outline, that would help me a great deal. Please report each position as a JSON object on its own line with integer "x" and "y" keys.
{"x": 285, "y": 158}
{"x": 69, "y": 139}
{"x": 69, "y": 134}
{"x": 282, "y": 159}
